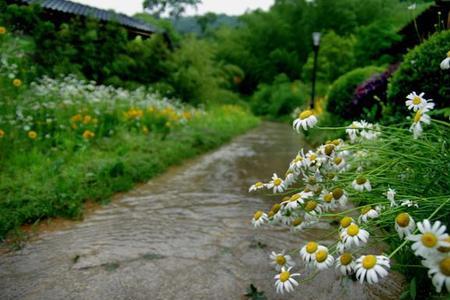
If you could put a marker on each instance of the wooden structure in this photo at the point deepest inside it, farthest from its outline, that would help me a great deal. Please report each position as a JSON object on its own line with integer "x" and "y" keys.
{"x": 59, "y": 11}
{"x": 436, "y": 17}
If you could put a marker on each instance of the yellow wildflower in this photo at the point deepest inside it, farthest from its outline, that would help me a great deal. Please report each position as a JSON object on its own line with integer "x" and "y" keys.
{"x": 2, "y": 30}
{"x": 2, "y": 133}
{"x": 87, "y": 134}
{"x": 32, "y": 134}
{"x": 17, "y": 82}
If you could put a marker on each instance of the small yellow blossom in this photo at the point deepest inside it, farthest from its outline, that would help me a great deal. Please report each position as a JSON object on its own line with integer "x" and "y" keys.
{"x": 76, "y": 118}
{"x": 87, "y": 119}
{"x": 32, "y": 134}
{"x": 17, "y": 82}
{"x": 2, "y": 30}
{"x": 87, "y": 134}
{"x": 2, "y": 133}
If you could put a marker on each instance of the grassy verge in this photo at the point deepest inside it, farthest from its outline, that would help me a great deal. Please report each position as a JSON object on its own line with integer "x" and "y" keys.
{"x": 38, "y": 184}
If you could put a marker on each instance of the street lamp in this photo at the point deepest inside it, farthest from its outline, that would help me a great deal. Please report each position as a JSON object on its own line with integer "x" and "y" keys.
{"x": 316, "y": 44}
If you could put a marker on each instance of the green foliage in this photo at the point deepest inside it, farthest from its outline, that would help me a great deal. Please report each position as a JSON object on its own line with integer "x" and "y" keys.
{"x": 336, "y": 57}
{"x": 279, "y": 98}
{"x": 173, "y": 7}
{"x": 342, "y": 90}
{"x": 372, "y": 39}
{"x": 420, "y": 72}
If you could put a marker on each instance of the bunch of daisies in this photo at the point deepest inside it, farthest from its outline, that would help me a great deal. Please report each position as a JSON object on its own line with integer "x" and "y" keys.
{"x": 319, "y": 183}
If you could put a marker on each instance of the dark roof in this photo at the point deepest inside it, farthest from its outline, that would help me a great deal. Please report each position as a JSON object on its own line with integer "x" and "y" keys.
{"x": 424, "y": 25}
{"x": 70, "y": 7}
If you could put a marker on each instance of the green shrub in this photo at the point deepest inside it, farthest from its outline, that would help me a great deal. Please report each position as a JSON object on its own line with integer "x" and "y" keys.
{"x": 336, "y": 57}
{"x": 420, "y": 72}
{"x": 280, "y": 98}
{"x": 342, "y": 90}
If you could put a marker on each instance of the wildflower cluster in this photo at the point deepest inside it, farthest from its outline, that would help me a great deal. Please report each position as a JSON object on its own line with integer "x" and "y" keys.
{"x": 52, "y": 109}
{"x": 317, "y": 187}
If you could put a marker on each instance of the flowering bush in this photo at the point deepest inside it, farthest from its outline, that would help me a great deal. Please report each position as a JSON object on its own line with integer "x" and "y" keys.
{"x": 421, "y": 68}
{"x": 370, "y": 96}
{"x": 396, "y": 179}
{"x": 343, "y": 89}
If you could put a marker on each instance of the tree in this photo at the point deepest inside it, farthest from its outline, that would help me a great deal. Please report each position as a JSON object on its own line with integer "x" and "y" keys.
{"x": 173, "y": 7}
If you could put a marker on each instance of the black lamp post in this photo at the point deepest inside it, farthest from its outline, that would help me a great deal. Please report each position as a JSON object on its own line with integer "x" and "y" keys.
{"x": 316, "y": 44}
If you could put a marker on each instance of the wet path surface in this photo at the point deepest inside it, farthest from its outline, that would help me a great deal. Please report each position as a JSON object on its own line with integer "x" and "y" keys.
{"x": 184, "y": 235}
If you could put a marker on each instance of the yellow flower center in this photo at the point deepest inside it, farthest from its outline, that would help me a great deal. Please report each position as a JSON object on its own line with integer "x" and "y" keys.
{"x": 284, "y": 276}
{"x": 281, "y": 260}
{"x": 277, "y": 181}
{"x": 259, "y": 184}
{"x": 336, "y": 142}
{"x": 338, "y": 160}
{"x": 294, "y": 198}
{"x": 402, "y": 220}
{"x": 416, "y": 100}
{"x": 258, "y": 214}
{"x": 443, "y": 249}
{"x": 365, "y": 210}
{"x": 2, "y": 133}
{"x": 297, "y": 222}
{"x": 328, "y": 197}
{"x": 312, "y": 180}
{"x": 329, "y": 149}
{"x": 32, "y": 135}
{"x": 310, "y": 205}
{"x": 429, "y": 239}
{"x": 346, "y": 221}
{"x": 369, "y": 261}
{"x": 346, "y": 258}
{"x": 313, "y": 157}
{"x": 361, "y": 180}
{"x": 444, "y": 265}
{"x": 417, "y": 116}
{"x": 337, "y": 193}
{"x": 276, "y": 207}
{"x": 448, "y": 54}
{"x": 270, "y": 214}
{"x": 306, "y": 114}
{"x": 352, "y": 229}
{"x": 311, "y": 247}
{"x": 321, "y": 255}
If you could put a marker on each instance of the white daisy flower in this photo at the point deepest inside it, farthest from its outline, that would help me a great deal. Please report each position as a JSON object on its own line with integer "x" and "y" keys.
{"x": 306, "y": 119}
{"x": 404, "y": 224}
{"x": 340, "y": 195}
{"x": 354, "y": 236}
{"x": 286, "y": 216}
{"x": 371, "y": 132}
{"x": 345, "y": 263}
{"x": 323, "y": 259}
{"x": 327, "y": 150}
{"x": 308, "y": 252}
{"x": 312, "y": 210}
{"x": 280, "y": 260}
{"x": 353, "y": 130}
{"x": 345, "y": 222}
{"x": 298, "y": 224}
{"x": 312, "y": 159}
{"x": 361, "y": 183}
{"x": 419, "y": 118}
{"x": 285, "y": 281}
{"x": 298, "y": 162}
{"x": 277, "y": 184}
{"x": 290, "y": 178}
{"x": 328, "y": 201}
{"x": 445, "y": 64}
{"x": 409, "y": 203}
{"x": 367, "y": 213}
{"x": 431, "y": 237}
{"x": 390, "y": 195}
{"x": 371, "y": 268}
{"x": 257, "y": 186}
{"x": 259, "y": 218}
{"x": 293, "y": 202}
{"x": 339, "y": 162}
{"x": 439, "y": 272}
{"x": 415, "y": 102}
